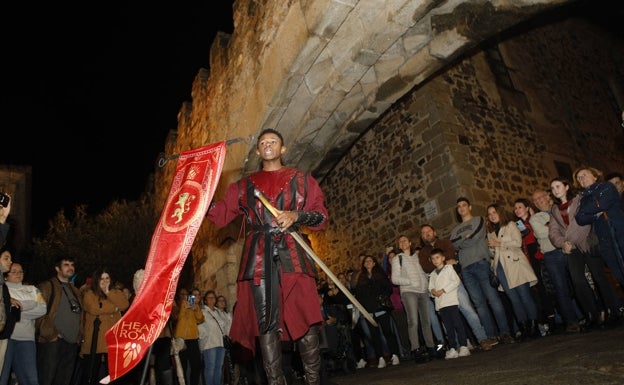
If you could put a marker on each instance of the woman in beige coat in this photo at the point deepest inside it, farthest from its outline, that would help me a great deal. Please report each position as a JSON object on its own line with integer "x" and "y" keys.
{"x": 102, "y": 304}
{"x": 512, "y": 267}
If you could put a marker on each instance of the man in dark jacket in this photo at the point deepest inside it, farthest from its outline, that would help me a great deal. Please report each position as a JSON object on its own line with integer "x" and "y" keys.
{"x": 4, "y": 225}
{"x": 59, "y": 335}
{"x": 618, "y": 181}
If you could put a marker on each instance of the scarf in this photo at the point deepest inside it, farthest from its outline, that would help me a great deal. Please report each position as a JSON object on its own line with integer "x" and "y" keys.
{"x": 563, "y": 208}
{"x": 496, "y": 227}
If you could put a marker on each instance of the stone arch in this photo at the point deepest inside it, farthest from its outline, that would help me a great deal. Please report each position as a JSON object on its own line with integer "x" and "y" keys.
{"x": 323, "y": 72}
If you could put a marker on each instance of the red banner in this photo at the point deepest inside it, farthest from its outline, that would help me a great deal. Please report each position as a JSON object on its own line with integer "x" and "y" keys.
{"x": 196, "y": 177}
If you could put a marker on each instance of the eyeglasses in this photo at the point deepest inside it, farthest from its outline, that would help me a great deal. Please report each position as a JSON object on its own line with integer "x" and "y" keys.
{"x": 17, "y": 272}
{"x": 221, "y": 300}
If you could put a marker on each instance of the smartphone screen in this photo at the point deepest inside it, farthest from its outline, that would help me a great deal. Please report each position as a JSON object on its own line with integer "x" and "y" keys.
{"x": 520, "y": 225}
{"x": 191, "y": 299}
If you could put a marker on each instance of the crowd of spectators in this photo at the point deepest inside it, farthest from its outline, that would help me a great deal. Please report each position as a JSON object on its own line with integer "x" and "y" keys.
{"x": 551, "y": 263}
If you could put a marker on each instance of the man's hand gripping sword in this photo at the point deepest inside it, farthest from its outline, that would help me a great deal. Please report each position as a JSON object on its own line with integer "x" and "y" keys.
{"x": 318, "y": 261}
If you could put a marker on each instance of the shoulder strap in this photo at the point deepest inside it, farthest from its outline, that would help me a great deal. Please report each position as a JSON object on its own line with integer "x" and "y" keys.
{"x": 51, "y": 297}
{"x": 215, "y": 318}
{"x": 478, "y": 227}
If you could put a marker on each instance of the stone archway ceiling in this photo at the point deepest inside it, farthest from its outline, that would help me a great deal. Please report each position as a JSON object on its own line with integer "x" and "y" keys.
{"x": 362, "y": 56}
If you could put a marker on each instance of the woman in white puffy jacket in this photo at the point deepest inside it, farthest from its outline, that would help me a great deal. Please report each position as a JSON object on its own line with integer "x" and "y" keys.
{"x": 21, "y": 356}
{"x": 414, "y": 285}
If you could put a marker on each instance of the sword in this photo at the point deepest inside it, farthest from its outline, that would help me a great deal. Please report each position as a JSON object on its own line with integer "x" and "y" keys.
{"x": 318, "y": 261}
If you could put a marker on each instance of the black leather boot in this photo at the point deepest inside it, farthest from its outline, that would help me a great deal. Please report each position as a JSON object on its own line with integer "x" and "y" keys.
{"x": 310, "y": 353}
{"x": 271, "y": 348}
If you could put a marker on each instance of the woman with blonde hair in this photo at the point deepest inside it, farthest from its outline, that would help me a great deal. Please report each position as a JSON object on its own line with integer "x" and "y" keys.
{"x": 600, "y": 207}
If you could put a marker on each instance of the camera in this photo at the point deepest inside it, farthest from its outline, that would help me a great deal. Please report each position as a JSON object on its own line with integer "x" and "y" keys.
{"x": 191, "y": 300}
{"x": 74, "y": 306}
{"x": 4, "y": 199}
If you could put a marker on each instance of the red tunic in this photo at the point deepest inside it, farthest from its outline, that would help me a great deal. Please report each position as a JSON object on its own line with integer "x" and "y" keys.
{"x": 287, "y": 189}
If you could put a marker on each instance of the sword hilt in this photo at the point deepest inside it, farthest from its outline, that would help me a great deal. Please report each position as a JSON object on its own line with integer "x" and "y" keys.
{"x": 265, "y": 202}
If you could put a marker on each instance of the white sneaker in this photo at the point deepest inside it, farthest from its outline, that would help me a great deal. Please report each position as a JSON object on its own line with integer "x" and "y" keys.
{"x": 382, "y": 363}
{"x": 395, "y": 360}
{"x": 470, "y": 345}
{"x": 361, "y": 364}
{"x": 463, "y": 351}
{"x": 451, "y": 353}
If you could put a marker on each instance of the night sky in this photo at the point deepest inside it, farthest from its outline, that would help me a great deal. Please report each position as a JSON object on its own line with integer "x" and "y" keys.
{"x": 90, "y": 91}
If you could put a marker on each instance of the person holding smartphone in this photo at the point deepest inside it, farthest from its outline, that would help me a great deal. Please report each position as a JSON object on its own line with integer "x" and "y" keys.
{"x": 546, "y": 300}
{"x": 5, "y": 209}
{"x": 187, "y": 315}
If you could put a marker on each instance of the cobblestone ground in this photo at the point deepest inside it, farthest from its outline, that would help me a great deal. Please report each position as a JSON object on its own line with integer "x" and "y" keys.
{"x": 594, "y": 357}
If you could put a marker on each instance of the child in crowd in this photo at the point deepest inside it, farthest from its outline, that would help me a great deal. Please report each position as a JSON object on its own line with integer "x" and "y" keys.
{"x": 443, "y": 284}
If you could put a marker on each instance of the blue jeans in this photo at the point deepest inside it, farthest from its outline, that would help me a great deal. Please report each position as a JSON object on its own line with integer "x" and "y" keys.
{"x": 435, "y": 323}
{"x": 366, "y": 337}
{"x": 476, "y": 278}
{"x": 522, "y": 301}
{"x": 470, "y": 314}
{"x": 213, "y": 365}
{"x": 382, "y": 337}
{"x": 557, "y": 265}
{"x": 21, "y": 356}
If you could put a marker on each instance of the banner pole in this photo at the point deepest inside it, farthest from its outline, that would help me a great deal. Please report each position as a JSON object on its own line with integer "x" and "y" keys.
{"x": 162, "y": 161}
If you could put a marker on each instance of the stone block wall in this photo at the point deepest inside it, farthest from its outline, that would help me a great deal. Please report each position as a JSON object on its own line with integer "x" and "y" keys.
{"x": 458, "y": 134}
{"x": 462, "y": 134}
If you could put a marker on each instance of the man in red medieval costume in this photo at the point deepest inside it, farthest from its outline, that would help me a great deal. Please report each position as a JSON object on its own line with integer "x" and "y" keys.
{"x": 276, "y": 278}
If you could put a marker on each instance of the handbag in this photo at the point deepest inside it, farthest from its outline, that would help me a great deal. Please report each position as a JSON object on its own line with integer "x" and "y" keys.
{"x": 227, "y": 342}
{"x": 384, "y": 303}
